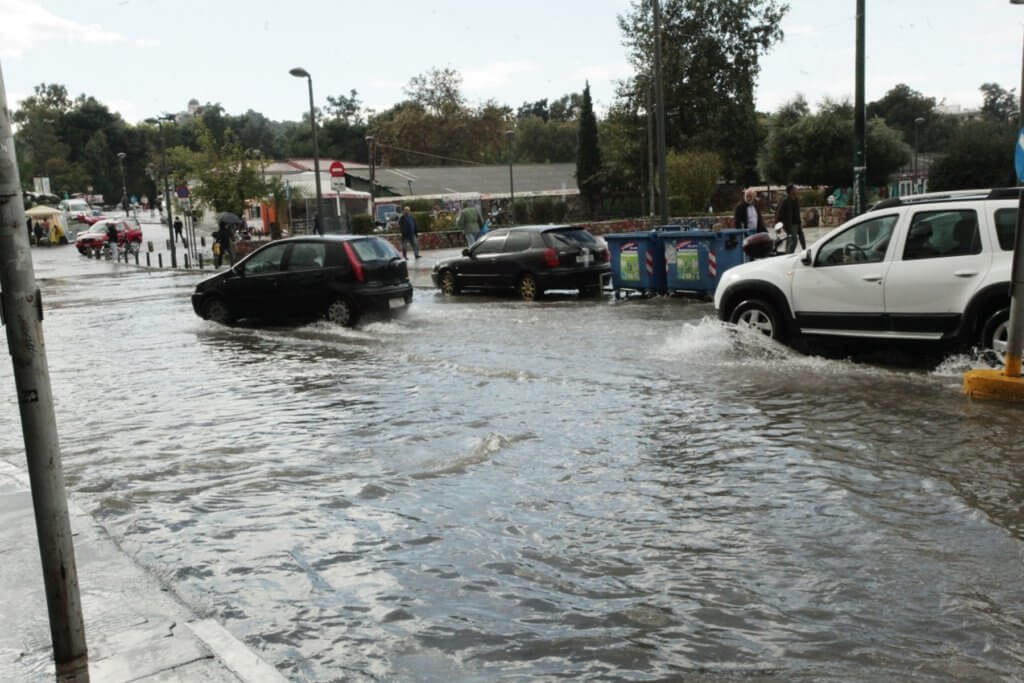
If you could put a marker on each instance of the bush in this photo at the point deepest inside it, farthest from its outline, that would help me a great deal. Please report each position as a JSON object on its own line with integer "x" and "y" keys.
{"x": 521, "y": 212}
{"x": 362, "y": 224}
{"x": 560, "y": 209}
{"x": 543, "y": 210}
{"x": 678, "y": 206}
{"x": 418, "y": 205}
{"x": 812, "y": 198}
{"x": 424, "y": 221}
{"x": 693, "y": 176}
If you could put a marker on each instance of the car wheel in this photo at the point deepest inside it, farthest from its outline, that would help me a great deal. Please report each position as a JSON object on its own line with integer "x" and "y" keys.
{"x": 448, "y": 284}
{"x": 528, "y": 290}
{"x": 996, "y": 331}
{"x": 218, "y": 311}
{"x": 761, "y": 316}
{"x": 341, "y": 312}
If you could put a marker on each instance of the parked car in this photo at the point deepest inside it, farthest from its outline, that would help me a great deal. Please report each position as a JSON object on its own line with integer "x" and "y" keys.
{"x": 529, "y": 260}
{"x": 933, "y": 267}
{"x": 129, "y": 235}
{"x": 337, "y": 277}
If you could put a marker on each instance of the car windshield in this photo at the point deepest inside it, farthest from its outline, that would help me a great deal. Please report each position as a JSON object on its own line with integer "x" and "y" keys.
{"x": 574, "y": 237}
{"x": 374, "y": 249}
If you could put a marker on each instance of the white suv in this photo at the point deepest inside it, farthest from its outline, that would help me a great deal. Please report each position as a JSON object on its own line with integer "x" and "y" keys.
{"x": 933, "y": 267}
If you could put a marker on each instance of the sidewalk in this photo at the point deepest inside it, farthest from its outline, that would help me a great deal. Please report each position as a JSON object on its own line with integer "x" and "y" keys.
{"x": 135, "y": 629}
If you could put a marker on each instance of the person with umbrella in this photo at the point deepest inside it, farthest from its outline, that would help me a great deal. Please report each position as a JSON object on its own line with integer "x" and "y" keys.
{"x": 225, "y": 236}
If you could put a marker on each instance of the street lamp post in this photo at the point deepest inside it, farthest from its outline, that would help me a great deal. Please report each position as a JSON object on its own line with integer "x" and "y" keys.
{"x": 511, "y": 183}
{"x": 124, "y": 185}
{"x": 659, "y": 121}
{"x": 371, "y": 143}
{"x": 860, "y": 168}
{"x": 299, "y": 72}
{"x": 1015, "y": 329}
{"x": 159, "y": 121}
{"x": 917, "y": 125}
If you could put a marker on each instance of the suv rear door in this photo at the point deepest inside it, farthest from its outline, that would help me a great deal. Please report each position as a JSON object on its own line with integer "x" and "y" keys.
{"x": 943, "y": 257}
{"x": 842, "y": 291}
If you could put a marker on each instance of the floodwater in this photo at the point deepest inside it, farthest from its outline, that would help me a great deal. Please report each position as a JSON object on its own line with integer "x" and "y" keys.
{"x": 490, "y": 490}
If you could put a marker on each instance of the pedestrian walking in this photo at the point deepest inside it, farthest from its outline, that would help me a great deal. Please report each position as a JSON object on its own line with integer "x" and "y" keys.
{"x": 469, "y": 221}
{"x": 28, "y": 224}
{"x": 39, "y": 233}
{"x": 407, "y": 226}
{"x": 112, "y": 239}
{"x": 747, "y": 215}
{"x": 224, "y": 245}
{"x": 178, "y": 227}
{"x": 317, "y": 230}
{"x": 789, "y": 216}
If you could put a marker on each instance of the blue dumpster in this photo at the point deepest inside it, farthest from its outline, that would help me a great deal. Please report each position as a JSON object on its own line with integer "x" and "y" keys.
{"x": 696, "y": 259}
{"x": 638, "y": 261}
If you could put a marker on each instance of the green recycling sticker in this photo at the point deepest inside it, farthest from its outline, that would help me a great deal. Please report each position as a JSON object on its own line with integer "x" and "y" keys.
{"x": 629, "y": 262}
{"x": 687, "y": 265}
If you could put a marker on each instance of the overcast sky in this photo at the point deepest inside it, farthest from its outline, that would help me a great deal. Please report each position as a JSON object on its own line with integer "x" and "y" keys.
{"x": 142, "y": 57}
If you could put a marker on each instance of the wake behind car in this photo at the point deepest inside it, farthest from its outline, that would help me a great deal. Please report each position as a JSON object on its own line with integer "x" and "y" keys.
{"x": 931, "y": 267}
{"x": 528, "y": 259}
{"x": 337, "y": 277}
{"x": 129, "y": 235}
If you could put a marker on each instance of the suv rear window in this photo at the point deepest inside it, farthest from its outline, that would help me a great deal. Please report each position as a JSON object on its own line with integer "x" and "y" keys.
{"x": 374, "y": 249}
{"x": 937, "y": 234}
{"x": 574, "y": 237}
{"x": 1006, "y": 228}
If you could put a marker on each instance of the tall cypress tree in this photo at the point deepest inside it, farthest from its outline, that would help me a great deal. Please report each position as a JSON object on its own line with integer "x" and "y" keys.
{"x": 588, "y": 155}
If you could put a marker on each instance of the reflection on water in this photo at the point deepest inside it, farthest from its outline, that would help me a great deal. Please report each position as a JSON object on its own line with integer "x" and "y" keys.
{"x": 485, "y": 489}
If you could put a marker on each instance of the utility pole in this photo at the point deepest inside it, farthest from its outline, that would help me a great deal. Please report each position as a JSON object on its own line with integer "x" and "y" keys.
{"x": 371, "y": 142}
{"x": 1015, "y": 330}
{"x": 650, "y": 154}
{"x": 22, "y": 310}
{"x": 659, "y": 97}
{"x": 860, "y": 169}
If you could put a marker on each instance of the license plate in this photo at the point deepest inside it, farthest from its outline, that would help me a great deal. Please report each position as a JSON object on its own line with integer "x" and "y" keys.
{"x": 397, "y": 302}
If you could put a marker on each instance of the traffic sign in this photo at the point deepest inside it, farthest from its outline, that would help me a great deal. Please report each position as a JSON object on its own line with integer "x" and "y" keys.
{"x": 337, "y": 169}
{"x": 182, "y": 191}
{"x": 338, "y": 184}
{"x": 1018, "y": 155}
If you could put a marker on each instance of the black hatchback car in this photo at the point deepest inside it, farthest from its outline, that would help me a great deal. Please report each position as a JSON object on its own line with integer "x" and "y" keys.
{"x": 337, "y": 277}
{"x": 528, "y": 259}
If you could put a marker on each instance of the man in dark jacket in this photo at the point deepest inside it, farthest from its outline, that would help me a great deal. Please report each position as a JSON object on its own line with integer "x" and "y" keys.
{"x": 789, "y": 216}
{"x": 747, "y": 216}
{"x": 112, "y": 239}
{"x": 224, "y": 244}
{"x": 407, "y": 226}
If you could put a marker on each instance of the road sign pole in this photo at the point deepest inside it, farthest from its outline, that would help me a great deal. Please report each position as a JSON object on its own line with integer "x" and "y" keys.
{"x": 22, "y": 311}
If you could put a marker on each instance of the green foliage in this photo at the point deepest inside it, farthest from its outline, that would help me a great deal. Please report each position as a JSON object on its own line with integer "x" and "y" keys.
{"x": 542, "y": 210}
{"x": 980, "y": 155}
{"x": 817, "y": 149}
{"x": 693, "y": 178}
{"x": 588, "y": 155}
{"x": 998, "y": 103}
{"x": 424, "y": 221}
{"x": 711, "y": 53}
{"x": 362, "y": 224}
{"x": 420, "y": 205}
{"x": 521, "y": 212}
{"x": 538, "y": 141}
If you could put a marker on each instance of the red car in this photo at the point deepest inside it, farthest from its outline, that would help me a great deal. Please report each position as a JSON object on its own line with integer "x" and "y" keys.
{"x": 128, "y": 236}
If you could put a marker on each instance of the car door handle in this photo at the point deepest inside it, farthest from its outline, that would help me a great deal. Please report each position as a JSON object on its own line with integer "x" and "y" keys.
{"x": 871, "y": 278}
{"x": 965, "y": 273}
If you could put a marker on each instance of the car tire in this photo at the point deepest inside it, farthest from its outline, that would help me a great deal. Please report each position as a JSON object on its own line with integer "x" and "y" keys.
{"x": 527, "y": 287}
{"x": 995, "y": 331}
{"x": 448, "y": 285}
{"x": 217, "y": 310}
{"x": 341, "y": 312}
{"x": 760, "y": 315}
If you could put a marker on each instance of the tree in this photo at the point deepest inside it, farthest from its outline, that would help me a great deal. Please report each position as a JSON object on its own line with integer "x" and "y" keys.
{"x": 693, "y": 176}
{"x": 346, "y": 108}
{"x": 710, "y": 64}
{"x": 588, "y": 154}
{"x": 980, "y": 155}
{"x": 998, "y": 103}
{"x": 817, "y": 149}
{"x": 901, "y": 106}
{"x": 438, "y": 91}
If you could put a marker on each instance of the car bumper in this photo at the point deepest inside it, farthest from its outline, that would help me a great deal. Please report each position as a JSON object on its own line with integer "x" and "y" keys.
{"x": 382, "y": 298}
{"x": 573, "y": 278}
{"x": 197, "y": 303}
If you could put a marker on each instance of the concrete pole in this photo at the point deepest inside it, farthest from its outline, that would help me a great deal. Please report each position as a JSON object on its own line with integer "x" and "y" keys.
{"x": 860, "y": 188}
{"x": 316, "y": 159}
{"x": 167, "y": 196}
{"x": 1015, "y": 338}
{"x": 659, "y": 97}
{"x": 371, "y": 142}
{"x": 650, "y": 154}
{"x": 23, "y": 315}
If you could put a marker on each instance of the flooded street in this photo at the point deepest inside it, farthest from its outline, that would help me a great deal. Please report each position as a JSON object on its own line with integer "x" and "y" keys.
{"x": 486, "y": 489}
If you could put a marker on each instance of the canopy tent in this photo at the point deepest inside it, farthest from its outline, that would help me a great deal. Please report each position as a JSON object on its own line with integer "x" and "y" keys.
{"x": 43, "y": 212}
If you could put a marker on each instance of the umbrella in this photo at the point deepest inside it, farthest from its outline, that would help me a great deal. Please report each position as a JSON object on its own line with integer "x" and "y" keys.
{"x": 229, "y": 218}
{"x": 42, "y": 211}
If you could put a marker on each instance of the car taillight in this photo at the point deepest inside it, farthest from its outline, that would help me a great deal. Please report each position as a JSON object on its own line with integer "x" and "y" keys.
{"x": 605, "y": 257}
{"x": 551, "y": 258}
{"x": 357, "y": 266}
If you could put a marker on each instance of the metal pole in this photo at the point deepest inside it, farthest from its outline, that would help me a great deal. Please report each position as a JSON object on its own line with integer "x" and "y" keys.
{"x": 659, "y": 97}
{"x": 916, "y": 129}
{"x": 23, "y": 316}
{"x": 316, "y": 155}
{"x": 511, "y": 182}
{"x": 124, "y": 187}
{"x": 859, "y": 160}
{"x": 650, "y": 152}
{"x": 167, "y": 193}
{"x": 1015, "y": 337}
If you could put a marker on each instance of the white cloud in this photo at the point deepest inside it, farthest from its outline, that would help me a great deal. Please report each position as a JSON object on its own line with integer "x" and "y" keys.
{"x": 26, "y": 24}
{"x": 492, "y": 75}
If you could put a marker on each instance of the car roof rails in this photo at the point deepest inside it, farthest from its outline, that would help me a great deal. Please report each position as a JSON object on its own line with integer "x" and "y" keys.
{"x": 950, "y": 196}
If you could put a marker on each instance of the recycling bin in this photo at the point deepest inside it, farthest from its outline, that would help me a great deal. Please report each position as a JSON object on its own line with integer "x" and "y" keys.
{"x": 638, "y": 262}
{"x": 696, "y": 259}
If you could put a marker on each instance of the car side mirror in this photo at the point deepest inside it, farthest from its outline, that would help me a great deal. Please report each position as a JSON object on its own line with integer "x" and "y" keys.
{"x": 805, "y": 258}
{"x": 465, "y": 252}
